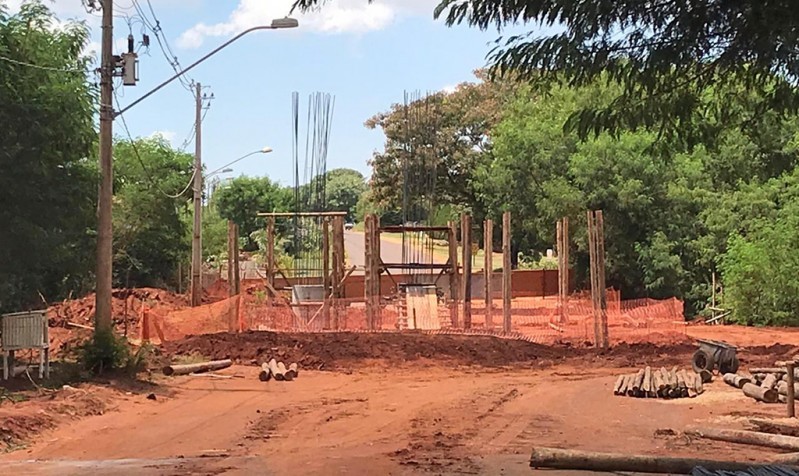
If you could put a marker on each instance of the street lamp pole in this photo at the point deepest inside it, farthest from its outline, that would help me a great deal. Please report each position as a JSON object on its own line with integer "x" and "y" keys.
{"x": 104, "y": 265}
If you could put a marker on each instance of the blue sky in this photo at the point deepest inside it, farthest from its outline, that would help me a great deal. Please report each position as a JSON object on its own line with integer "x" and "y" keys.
{"x": 365, "y": 55}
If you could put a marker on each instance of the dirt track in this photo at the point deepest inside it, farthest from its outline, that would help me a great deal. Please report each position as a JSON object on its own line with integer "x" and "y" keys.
{"x": 421, "y": 418}
{"x": 383, "y": 404}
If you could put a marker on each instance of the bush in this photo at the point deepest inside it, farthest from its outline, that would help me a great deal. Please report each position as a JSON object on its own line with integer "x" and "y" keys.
{"x": 104, "y": 351}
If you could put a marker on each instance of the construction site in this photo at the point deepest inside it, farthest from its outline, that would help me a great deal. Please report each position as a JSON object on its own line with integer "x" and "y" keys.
{"x": 400, "y": 349}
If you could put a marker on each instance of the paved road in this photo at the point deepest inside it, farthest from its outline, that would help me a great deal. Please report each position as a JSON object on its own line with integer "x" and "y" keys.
{"x": 390, "y": 249}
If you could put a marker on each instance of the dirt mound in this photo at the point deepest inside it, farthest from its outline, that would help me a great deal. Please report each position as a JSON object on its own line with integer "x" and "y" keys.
{"x": 330, "y": 350}
{"x": 344, "y": 349}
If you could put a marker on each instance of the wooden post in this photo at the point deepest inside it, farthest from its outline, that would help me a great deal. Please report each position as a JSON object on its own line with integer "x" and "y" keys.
{"x": 454, "y": 281}
{"x": 377, "y": 322}
{"x": 592, "y": 268}
{"x": 559, "y": 251}
{"x": 326, "y": 272}
{"x": 506, "y": 274}
{"x": 231, "y": 280}
{"x": 338, "y": 266}
{"x": 603, "y": 301}
{"x": 466, "y": 282}
{"x": 791, "y": 390}
{"x": 236, "y": 264}
{"x": 563, "y": 272}
{"x": 368, "y": 287}
{"x": 270, "y": 258}
{"x": 488, "y": 268}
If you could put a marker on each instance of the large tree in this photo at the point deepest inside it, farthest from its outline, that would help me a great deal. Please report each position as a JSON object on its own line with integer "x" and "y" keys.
{"x": 664, "y": 53}
{"x": 47, "y": 176}
{"x": 151, "y": 233}
{"x": 343, "y": 189}
{"x": 242, "y": 199}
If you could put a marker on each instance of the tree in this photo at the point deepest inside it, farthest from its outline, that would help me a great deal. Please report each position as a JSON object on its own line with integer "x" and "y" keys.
{"x": 343, "y": 190}
{"x": 151, "y": 232}
{"x": 48, "y": 178}
{"x": 433, "y": 145}
{"x": 665, "y": 54}
{"x": 244, "y": 197}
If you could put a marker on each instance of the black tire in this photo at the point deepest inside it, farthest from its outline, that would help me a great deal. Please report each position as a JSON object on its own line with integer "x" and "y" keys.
{"x": 702, "y": 360}
{"x": 730, "y": 367}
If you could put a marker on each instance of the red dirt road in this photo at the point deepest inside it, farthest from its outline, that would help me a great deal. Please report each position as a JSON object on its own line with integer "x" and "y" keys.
{"x": 408, "y": 419}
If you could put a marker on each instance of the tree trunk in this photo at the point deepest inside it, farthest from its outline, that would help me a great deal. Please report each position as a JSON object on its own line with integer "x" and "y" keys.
{"x": 275, "y": 370}
{"x": 762, "y": 394}
{"x": 292, "y": 372}
{"x": 748, "y": 438}
{"x": 770, "y": 381}
{"x": 736, "y": 380}
{"x": 266, "y": 374}
{"x": 201, "y": 367}
{"x": 621, "y": 462}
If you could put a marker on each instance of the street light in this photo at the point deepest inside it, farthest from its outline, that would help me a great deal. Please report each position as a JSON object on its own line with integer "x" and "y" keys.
{"x": 104, "y": 263}
{"x": 196, "y": 242}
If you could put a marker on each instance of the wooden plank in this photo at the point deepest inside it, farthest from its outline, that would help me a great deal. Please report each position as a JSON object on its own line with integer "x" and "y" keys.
{"x": 231, "y": 285}
{"x": 368, "y": 278}
{"x": 376, "y": 260}
{"x": 488, "y": 270}
{"x": 454, "y": 280}
{"x": 506, "y": 273}
{"x": 338, "y": 268}
{"x": 404, "y": 228}
{"x": 302, "y": 214}
{"x": 466, "y": 281}
{"x": 564, "y": 275}
{"x": 791, "y": 390}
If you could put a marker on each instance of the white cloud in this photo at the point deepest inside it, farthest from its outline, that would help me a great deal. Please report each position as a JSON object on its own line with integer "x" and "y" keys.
{"x": 169, "y": 136}
{"x": 450, "y": 88}
{"x": 335, "y": 16}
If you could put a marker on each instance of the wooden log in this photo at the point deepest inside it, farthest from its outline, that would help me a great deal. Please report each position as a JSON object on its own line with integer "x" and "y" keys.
{"x": 699, "y": 384}
{"x": 782, "y": 388}
{"x": 201, "y": 367}
{"x": 770, "y": 381}
{"x": 658, "y": 382}
{"x": 556, "y": 458}
{"x": 768, "y": 370}
{"x": 736, "y": 380}
{"x": 707, "y": 376}
{"x": 653, "y": 390}
{"x": 647, "y": 385}
{"x": 762, "y": 394}
{"x": 278, "y": 374}
{"x": 265, "y": 375}
{"x": 617, "y": 385}
{"x": 779, "y": 427}
{"x": 790, "y": 386}
{"x": 686, "y": 390}
{"x": 282, "y": 368}
{"x": 747, "y": 437}
{"x": 639, "y": 381}
{"x": 293, "y": 371}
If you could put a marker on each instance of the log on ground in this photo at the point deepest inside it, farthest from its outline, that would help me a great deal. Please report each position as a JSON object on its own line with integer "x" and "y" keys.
{"x": 265, "y": 375}
{"x": 618, "y": 384}
{"x": 283, "y": 370}
{"x": 736, "y": 380}
{"x": 275, "y": 370}
{"x": 555, "y": 458}
{"x": 770, "y": 381}
{"x": 786, "y": 427}
{"x": 763, "y": 394}
{"x": 747, "y": 438}
{"x": 293, "y": 371}
{"x": 200, "y": 367}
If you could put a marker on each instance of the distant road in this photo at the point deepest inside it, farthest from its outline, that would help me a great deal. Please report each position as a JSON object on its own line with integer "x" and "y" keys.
{"x": 390, "y": 250}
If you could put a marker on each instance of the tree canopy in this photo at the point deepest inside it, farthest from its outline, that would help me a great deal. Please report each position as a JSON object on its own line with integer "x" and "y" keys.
{"x": 242, "y": 199}
{"x": 47, "y": 175}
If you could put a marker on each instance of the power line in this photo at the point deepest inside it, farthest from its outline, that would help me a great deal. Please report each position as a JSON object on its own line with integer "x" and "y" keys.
{"x": 45, "y": 68}
{"x": 141, "y": 162}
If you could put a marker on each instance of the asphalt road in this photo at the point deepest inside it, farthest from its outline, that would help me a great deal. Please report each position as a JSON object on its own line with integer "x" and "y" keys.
{"x": 390, "y": 250}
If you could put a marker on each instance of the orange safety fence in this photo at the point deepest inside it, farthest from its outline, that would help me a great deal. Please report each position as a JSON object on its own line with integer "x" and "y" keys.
{"x": 536, "y": 319}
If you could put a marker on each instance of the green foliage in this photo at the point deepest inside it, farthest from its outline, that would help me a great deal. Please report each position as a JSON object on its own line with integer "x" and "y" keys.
{"x": 244, "y": 197}
{"x": 760, "y": 270}
{"x": 343, "y": 190}
{"x": 48, "y": 179}
{"x": 105, "y": 351}
{"x": 151, "y": 235}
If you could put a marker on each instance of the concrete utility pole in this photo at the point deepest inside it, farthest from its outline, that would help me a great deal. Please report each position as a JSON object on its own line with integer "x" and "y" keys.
{"x": 102, "y": 314}
{"x": 196, "y": 242}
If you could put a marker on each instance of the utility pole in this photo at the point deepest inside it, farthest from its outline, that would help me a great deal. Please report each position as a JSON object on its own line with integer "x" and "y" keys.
{"x": 102, "y": 315}
{"x": 196, "y": 242}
